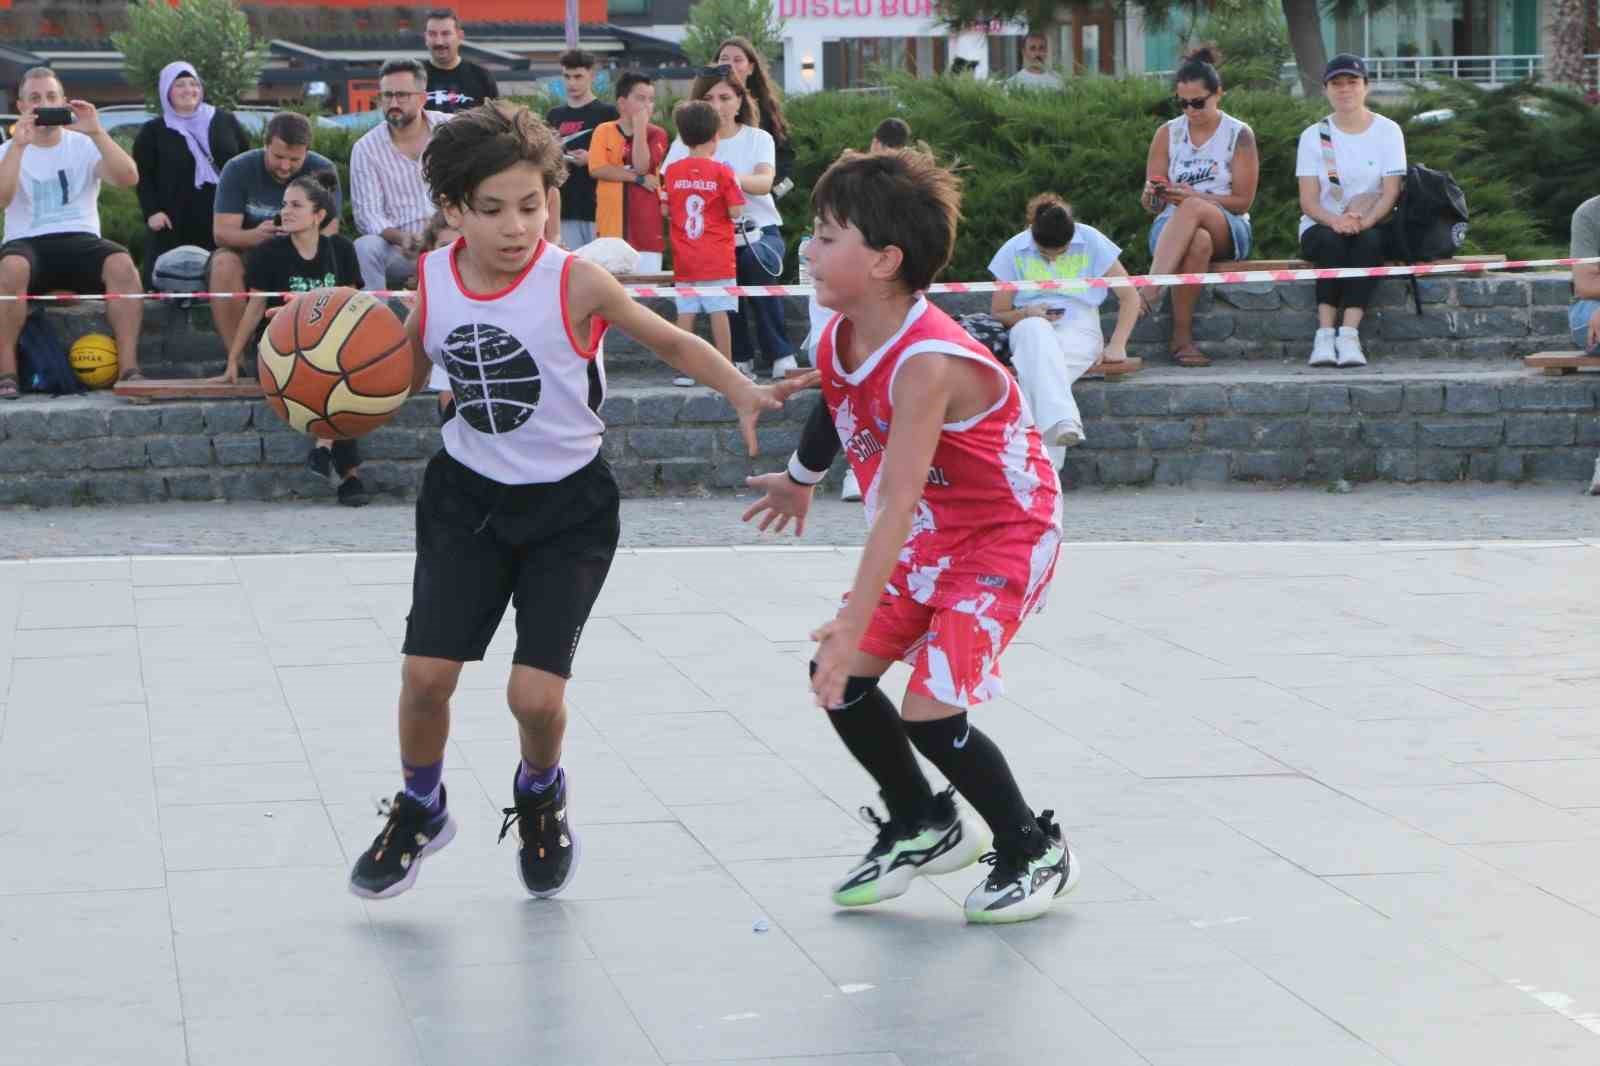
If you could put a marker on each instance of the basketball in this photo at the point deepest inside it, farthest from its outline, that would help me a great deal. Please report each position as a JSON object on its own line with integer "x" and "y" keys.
{"x": 94, "y": 360}
{"x": 335, "y": 363}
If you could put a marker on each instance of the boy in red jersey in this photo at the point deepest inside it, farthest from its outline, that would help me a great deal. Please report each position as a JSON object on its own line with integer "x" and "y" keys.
{"x": 519, "y": 506}
{"x": 966, "y": 525}
{"x": 702, "y": 200}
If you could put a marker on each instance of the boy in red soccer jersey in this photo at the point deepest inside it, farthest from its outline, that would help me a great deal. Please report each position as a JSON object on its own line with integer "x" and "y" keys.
{"x": 701, "y": 201}
{"x": 966, "y": 525}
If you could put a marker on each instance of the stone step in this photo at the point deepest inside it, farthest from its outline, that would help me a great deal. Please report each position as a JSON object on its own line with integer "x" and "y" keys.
{"x": 1413, "y": 420}
{"x": 1497, "y": 317}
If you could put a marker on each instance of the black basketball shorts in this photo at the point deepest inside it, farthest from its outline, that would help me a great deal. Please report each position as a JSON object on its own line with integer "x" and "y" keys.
{"x": 72, "y": 261}
{"x": 545, "y": 548}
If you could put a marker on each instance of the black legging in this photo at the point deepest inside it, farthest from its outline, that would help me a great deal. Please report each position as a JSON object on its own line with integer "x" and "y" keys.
{"x": 1321, "y": 246}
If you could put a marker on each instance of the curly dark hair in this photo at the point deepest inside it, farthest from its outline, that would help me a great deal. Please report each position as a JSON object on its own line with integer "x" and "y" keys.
{"x": 483, "y": 141}
{"x": 901, "y": 198}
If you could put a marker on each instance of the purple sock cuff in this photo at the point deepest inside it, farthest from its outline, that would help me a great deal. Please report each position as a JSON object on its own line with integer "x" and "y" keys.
{"x": 531, "y": 779}
{"x": 422, "y": 780}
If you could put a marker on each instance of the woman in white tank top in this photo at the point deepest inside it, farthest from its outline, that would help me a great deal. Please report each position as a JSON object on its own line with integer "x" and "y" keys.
{"x": 1202, "y": 173}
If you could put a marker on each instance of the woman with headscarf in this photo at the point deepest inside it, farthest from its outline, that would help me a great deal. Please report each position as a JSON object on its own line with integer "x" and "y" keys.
{"x": 179, "y": 156}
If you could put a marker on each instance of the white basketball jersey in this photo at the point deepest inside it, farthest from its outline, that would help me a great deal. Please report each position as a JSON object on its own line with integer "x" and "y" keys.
{"x": 1206, "y": 168}
{"x": 527, "y": 392}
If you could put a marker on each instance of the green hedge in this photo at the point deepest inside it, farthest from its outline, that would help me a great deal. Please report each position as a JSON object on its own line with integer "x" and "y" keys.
{"x": 1522, "y": 155}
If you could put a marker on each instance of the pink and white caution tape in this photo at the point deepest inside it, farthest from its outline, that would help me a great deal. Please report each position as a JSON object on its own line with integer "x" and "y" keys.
{"x": 1141, "y": 281}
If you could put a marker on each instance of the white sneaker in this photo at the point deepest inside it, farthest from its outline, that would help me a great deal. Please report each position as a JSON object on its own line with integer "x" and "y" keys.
{"x": 1322, "y": 349}
{"x": 781, "y": 368}
{"x": 682, "y": 382}
{"x": 1065, "y": 434}
{"x": 1594, "y": 482}
{"x": 747, "y": 369}
{"x": 1347, "y": 348}
{"x": 850, "y": 491}
{"x": 1020, "y": 887}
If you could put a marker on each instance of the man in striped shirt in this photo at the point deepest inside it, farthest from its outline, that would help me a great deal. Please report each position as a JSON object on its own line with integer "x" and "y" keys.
{"x": 391, "y": 200}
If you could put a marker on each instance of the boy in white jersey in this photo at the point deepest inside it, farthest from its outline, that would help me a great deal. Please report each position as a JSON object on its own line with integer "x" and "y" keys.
{"x": 966, "y": 525}
{"x": 519, "y": 505}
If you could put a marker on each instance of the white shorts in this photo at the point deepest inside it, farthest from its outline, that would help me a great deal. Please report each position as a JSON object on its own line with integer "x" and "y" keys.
{"x": 693, "y": 305}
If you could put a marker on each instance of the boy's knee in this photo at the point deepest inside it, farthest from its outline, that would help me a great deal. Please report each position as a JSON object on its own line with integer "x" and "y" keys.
{"x": 430, "y": 682}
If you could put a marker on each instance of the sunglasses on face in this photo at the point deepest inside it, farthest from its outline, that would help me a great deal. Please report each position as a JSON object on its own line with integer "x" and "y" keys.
{"x": 1198, "y": 103}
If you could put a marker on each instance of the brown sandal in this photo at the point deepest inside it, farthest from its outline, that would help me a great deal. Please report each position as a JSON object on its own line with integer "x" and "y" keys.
{"x": 8, "y": 387}
{"x": 1189, "y": 355}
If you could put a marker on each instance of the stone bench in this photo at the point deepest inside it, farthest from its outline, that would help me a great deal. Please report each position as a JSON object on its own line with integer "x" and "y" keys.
{"x": 1408, "y": 420}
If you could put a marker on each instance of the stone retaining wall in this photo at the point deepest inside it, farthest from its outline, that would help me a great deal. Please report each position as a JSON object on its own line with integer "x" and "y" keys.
{"x": 1169, "y": 427}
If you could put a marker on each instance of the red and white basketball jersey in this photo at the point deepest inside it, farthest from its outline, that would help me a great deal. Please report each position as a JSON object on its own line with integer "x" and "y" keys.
{"x": 988, "y": 526}
{"x": 527, "y": 391}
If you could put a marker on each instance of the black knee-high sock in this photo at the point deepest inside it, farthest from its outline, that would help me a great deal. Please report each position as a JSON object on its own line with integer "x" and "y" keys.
{"x": 975, "y": 766}
{"x": 871, "y": 728}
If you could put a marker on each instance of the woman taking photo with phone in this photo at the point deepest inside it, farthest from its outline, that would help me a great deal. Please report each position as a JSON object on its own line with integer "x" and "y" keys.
{"x": 1203, "y": 169}
{"x": 1055, "y": 334}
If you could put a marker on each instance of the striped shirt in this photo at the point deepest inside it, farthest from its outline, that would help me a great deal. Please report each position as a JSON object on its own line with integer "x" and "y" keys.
{"x": 386, "y": 186}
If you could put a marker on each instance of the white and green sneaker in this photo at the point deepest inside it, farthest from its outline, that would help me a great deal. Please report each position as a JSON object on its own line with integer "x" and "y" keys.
{"x": 950, "y": 839}
{"x": 1023, "y": 885}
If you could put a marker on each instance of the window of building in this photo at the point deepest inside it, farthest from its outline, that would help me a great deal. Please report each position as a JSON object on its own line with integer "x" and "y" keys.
{"x": 627, "y": 7}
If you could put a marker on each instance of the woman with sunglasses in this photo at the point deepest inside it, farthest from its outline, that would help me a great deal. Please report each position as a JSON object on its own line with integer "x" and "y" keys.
{"x": 1203, "y": 168}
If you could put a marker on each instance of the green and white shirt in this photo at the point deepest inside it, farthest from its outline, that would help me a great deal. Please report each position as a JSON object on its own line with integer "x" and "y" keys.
{"x": 1089, "y": 255}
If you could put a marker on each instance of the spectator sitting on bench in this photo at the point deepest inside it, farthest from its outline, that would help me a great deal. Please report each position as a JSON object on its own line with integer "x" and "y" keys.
{"x": 302, "y": 258}
{"x": 1055, "y": 335}
{"x": 1203, "y": 168}
{"x": 1350, "y": 166}
{"x": 50, "y": 179}
{"x": 249, "y": 197}
{"x": 1584, "y": 315}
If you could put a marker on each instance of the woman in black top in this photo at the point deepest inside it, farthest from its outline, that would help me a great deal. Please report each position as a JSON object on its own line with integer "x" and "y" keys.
{"x": 302, "y": 259}
{"x": 180, "y": 156}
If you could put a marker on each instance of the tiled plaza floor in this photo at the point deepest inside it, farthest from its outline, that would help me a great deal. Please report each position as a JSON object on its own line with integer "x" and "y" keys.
{"x": 1337, "y": 806}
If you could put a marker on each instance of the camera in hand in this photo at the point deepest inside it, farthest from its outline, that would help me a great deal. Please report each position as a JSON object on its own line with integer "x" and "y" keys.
{"x": 52, "y": 116}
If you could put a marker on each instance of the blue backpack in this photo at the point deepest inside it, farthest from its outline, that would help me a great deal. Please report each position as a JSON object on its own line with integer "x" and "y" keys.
{"x": 42, "y": 362}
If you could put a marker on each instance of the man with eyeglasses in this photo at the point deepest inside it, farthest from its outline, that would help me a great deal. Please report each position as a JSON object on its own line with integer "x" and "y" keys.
{"x": 391, "y": 200}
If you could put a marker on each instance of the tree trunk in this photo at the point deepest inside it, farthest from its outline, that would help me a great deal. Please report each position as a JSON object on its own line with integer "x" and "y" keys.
{"x": 1564, "y": 65}
{"x": 1305, "y": 37}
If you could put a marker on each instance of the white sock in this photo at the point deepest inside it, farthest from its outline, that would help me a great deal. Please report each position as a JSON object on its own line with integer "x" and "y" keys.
{"x": 1325, "y": 331}
{"x": 1349, "y": 331}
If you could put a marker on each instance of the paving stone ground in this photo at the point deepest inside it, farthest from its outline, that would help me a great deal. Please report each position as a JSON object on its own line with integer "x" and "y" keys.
{"x": 1336, "y": 804}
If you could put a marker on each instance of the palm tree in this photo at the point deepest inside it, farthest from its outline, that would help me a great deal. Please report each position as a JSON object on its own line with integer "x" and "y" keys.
{"x": 1569, "y": 25}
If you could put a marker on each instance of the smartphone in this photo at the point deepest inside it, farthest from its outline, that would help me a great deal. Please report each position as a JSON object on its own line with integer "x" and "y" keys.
{"x": 52, "y": 116}
{"x": 277, "y": 220}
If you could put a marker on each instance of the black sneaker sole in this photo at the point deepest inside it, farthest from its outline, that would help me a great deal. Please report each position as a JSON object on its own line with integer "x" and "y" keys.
{"x": 447, "y": 834}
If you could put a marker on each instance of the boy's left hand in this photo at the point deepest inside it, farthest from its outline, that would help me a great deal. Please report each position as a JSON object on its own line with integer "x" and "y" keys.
{"x": 837, "y": 642}
{"x": 751, "y": 401}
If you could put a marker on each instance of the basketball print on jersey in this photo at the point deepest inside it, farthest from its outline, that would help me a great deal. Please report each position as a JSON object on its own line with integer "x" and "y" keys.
{"x": 493, "y": 376}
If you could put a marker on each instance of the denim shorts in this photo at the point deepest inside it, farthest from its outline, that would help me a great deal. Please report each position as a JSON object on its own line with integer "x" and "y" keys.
{"x": 1578, "y": 320}
{"x": 694, "y": 305}
{"x": 1238, "y": 226}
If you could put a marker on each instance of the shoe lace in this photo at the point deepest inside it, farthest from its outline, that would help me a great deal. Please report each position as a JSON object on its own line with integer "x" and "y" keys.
{"x": 1009, "y": 866}
{"x": 888, "y": 831}
{"x": 512, "y": 814}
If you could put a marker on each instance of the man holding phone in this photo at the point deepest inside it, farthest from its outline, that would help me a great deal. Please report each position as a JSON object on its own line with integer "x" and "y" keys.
{"x": 50, "y": 175}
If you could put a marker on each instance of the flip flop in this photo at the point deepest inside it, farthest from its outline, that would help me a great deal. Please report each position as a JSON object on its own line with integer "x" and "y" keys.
{"x": 1189, "y": 355}
{"x": 8, "y": 387}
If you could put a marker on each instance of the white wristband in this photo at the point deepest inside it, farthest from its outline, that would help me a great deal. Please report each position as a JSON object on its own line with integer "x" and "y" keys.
{"x": 799, "y": 472}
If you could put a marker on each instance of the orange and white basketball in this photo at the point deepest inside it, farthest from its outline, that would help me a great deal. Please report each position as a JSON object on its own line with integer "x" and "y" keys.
{"x": 335, "y": 363}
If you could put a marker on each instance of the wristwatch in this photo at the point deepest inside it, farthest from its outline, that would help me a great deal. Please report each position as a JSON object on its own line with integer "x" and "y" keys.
{"x": 638, "y": 179}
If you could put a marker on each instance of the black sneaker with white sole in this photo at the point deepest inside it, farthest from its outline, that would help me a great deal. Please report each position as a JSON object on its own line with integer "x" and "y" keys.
{"x": 548, "y": 852}
{"x": 1023, "y": 882}
{"x": 319, "y": 464}
{"x": 410, "y": 833}
{"x": 950, "y": 838}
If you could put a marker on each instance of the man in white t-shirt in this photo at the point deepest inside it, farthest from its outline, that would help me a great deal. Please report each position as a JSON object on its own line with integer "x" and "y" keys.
{"x": 1035, "y": 72}
{"x": 1055, "y": 334}
{"x": 50, "y": 177}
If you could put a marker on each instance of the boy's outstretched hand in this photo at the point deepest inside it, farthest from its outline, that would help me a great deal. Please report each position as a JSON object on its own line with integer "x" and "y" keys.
{"x": 783, "y": 499}
{"x": 750, "y": 402}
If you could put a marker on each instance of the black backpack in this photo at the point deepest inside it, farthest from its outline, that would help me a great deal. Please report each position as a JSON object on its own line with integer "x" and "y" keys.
{"x": 1429, "y": 221}
{"x": 42, "y": 361}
